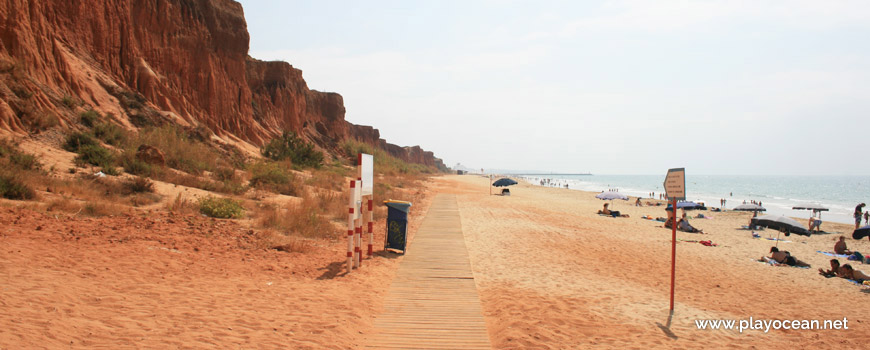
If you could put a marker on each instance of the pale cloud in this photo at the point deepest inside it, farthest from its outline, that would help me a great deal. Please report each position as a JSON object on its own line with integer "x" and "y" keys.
{"x": 621, "y": 79}
{"x": 662, "y": 16}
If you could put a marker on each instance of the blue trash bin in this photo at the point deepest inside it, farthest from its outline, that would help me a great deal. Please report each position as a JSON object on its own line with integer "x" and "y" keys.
{"x": 397, "y": 224}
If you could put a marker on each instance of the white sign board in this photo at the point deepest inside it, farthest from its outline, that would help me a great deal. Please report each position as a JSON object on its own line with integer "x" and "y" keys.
{"x": 367, "y": 168}
{"x": 357, "y": 200}
{"x": 675, "y": 184}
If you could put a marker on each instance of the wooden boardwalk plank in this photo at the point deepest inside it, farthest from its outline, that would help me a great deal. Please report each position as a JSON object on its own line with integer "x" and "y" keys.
{"x": 433, "y": 302}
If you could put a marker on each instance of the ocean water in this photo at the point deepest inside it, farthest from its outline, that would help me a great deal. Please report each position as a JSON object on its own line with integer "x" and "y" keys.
{"x": 778, "y": 194}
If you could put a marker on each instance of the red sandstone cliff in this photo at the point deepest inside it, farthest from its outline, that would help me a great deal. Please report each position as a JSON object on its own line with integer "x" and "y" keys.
{"x": 185, "y": 61}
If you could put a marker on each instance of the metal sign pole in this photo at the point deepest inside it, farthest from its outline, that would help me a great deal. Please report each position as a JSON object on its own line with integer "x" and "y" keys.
{"x": 673, "y": 251}
{"x": 675, "y": 189}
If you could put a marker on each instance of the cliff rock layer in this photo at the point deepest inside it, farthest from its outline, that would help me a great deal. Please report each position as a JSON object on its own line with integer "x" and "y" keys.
{"x": 180, "y": 60}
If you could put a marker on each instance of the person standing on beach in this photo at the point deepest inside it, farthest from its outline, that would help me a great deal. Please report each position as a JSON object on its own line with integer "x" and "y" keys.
{"x": 858, "y": 214}
{"x": 867, "y": 217}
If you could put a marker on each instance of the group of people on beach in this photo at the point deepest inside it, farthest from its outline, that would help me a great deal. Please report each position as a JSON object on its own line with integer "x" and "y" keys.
{"x": 682, "y": 223}
{"x": 845, "y": 271}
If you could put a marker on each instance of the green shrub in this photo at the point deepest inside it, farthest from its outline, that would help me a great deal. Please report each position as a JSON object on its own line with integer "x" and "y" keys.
{"x": 225, "y": 174}
{"x": 76, "y": 141}
{"x": 12, "y": 188}
{"x": 110, "y": 170}
{"x": 290, "y": 147}
{"x": 25, "y": 161}
{"x": 6, "y": 148}
{"x": 274, "y": 177}
{"x": 181, "y": 152}
{"x": 138, "y": 185}
{"x": 40, "y": 121}
{"x": 94, "y": 155}
{"x": 89, "y": 118}
{"x": 134, "y": 166}
{"x": 110, "y": 133}
{"x": 68, "y": 101}
{"x": 224, "y": 208}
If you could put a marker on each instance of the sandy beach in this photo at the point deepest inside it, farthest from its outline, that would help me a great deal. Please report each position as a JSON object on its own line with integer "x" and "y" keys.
{"x": 163, "y": 281}
{"x": 551, "y": 274}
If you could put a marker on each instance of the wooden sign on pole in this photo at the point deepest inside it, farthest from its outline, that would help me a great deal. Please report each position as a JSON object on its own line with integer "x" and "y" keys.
{"x": 675, "y": 188}
{"x": 675, "y": 184}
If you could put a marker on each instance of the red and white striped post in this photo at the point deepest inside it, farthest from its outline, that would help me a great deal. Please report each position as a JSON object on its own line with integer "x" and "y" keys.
{"x": 369, "y": 219}
{"x": 350, "y": 227}
{"x": 358, "y": 222}
{"x": 357, "y": 236}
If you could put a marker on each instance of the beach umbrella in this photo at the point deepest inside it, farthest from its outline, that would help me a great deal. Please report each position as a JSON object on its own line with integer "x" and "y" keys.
{"x": 687, "y": 205}
{"x": 749, "y": 207}
{"x": 611, "y": 195}
{"x": 781, "y": 223}
{"x": 504, "y": 182}
{"x": 814, "y": 207}
{"x": 861, "y": 232}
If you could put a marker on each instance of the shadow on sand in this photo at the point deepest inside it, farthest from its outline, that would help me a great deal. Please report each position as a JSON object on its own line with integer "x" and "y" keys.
{"x": 338, "y": 268}
{"x": 667, "y": 328}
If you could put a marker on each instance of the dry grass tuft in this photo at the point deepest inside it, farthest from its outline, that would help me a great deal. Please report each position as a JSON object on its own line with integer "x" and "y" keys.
{"x": 182, "y": 205}
{"x": 301, "y": 219}
{"x": 271, "y": 239}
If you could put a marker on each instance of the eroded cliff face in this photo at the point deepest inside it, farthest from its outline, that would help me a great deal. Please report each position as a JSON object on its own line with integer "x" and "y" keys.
{"x": 184, "y": 61}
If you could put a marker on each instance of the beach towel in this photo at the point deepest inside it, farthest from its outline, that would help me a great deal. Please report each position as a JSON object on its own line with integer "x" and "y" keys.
{"x": 777, "y": 239}
{"x": 706, "y": 243}
{"x": 834, "y": 254}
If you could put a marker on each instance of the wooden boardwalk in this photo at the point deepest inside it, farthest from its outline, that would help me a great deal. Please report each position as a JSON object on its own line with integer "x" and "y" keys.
{"x": 433, "y": 302}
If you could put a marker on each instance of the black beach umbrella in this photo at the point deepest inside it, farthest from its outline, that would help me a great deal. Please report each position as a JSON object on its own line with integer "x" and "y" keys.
{"x": 749, "y": 207}
{"x": 781, "y": 223}
{"x": 861, "y": 232}
{"x": 687, "y": 206}
{"x": 504, "y": 182}
{"x": 813, "y": 207}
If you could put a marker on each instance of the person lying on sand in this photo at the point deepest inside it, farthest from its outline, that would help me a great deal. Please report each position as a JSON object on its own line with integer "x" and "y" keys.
{"x": 835, "y": 271}
{"x": 840, "y": 247}
{"x": 612, "y": 213}
{"x": 856, "y": 275}
{"x": 783, "y": 258}
{"x": 683, "y": 225}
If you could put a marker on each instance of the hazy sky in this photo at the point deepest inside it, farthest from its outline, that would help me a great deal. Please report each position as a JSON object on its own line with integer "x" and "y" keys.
{"x": 608, "y": 87}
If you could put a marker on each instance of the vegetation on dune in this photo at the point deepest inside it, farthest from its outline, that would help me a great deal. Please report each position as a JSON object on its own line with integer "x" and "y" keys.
{"x": 290, "y": 166}
{"x": 290, "y": 147}
{"x": 223, "y": 208}
{"x": 384, "y": 162}
{"x": 275, "y": 177}
{"x": 12, "y": 187}
{"x": 14, "y": 166}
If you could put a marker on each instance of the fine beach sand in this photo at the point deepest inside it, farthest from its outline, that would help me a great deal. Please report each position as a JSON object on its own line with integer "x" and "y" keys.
{"x": 551, "y": 274}
{"x": 162, "y": 281}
